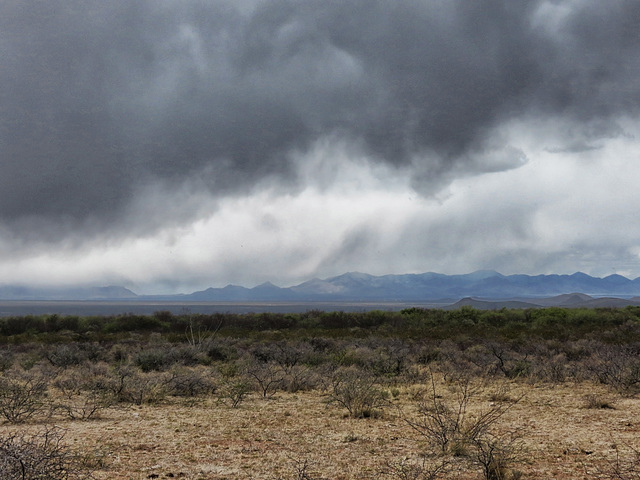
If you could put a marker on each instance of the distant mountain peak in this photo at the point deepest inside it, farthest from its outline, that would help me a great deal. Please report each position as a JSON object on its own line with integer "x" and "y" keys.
{"x": 581, "y": 275}
{"x": 110, "y": 291}
{"x": 353, "y": 276}
{"x": 232, "y": 287}
{"x": 482, "y": 274}
{"x": 266, "y": 286}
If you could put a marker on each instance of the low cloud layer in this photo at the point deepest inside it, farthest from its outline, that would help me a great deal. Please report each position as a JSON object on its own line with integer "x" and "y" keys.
{"x": 193, "y": 140}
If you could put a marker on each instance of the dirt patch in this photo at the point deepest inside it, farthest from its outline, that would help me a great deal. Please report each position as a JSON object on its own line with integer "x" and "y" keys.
{"x": 291, "y": 435}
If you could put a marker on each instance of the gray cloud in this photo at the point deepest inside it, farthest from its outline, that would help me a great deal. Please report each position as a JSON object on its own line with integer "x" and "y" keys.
{"x": 102, "y": 99}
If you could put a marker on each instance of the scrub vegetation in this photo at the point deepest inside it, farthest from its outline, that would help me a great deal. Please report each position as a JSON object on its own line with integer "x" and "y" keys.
{"x": 415, "y": 394}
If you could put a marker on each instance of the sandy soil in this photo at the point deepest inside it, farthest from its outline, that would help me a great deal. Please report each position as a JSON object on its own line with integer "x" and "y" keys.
{"x": 282, "y": 437}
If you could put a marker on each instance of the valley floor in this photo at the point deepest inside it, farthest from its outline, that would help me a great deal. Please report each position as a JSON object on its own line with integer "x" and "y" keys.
{"x": 558, "y": 435}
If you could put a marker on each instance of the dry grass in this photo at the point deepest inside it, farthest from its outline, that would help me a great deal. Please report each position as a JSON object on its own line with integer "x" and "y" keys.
{"x": 295, "y": 436}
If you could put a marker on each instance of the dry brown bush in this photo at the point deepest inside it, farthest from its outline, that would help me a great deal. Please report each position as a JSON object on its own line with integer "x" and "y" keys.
{"x": 358, "y": 392}
{"x": 23, "y": 394}
{"x": 40, "y": 456}
{"x": 422, "y": 468}
{"x": 450, "y": 427}
{"x": 267, "y": 377}
{"x": 83, "y": 391}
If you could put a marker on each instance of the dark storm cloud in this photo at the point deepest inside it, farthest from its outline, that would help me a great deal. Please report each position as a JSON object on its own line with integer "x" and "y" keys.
{"x": 100, "y": 98}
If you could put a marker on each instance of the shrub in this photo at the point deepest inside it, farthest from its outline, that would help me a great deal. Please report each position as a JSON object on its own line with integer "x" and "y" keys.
{"x": 301, "y": 471}
{"x": 84, "y": 391}
{"x": 285, "y": 354}
{"x": 133, "y": 323}
{"x": 300, "y": 378}
{"x": 64, "y": 355}
{"x": 623, "y": 467}
{"x": 268, "y": 377}
{"x": 129, "y": 385}
{"x": 189, "y": 382}
{"x": 41, "y": 456}
{"x": 596, "y": 401}
{"x": 495, "y": 457}
{"x": 201, "y": 337}
{"x": 357, "y": 391}
{"x": 415, "y": 469}
{"x": 157, "y": 359}
{"x": 146, "y": 388}
{"x": 449, "y": 427}
{"x": 6, "y": 360}
{"x": 553, "y": 369}
{"x": 22, "y": 395}
{"x": 233, "y": 391}
{"x": 390, "y": 359}
{"x": 219, "y": 351}
{"x": 509, "y": 362}
{"x": 618, "y": 367}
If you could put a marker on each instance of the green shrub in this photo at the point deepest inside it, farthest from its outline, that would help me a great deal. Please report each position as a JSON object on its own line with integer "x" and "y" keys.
{"x": 152, "y": 360}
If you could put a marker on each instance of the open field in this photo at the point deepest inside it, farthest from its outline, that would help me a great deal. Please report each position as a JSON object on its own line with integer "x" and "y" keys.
{"x": 557, "y": 436}
{"x": 475, "y": 395}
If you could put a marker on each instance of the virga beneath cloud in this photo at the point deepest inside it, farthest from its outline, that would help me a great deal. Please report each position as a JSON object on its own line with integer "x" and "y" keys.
{"x": 179, "y": 144}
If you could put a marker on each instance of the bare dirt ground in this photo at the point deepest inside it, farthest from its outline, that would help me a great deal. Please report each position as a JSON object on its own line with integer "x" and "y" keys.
{"x": 299, "y": 436}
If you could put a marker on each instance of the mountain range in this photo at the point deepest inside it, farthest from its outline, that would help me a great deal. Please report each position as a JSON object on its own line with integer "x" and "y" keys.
{"x": 483, "y": 284}
{"x": 25, "y": 293}
{"x": 478, "y": 288}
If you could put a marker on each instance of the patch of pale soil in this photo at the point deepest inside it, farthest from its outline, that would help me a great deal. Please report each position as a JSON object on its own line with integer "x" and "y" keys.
{"x": 273, "y": 439}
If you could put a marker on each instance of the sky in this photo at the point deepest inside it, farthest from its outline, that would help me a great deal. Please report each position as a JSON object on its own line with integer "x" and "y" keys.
{"x": 173, "y": 145}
